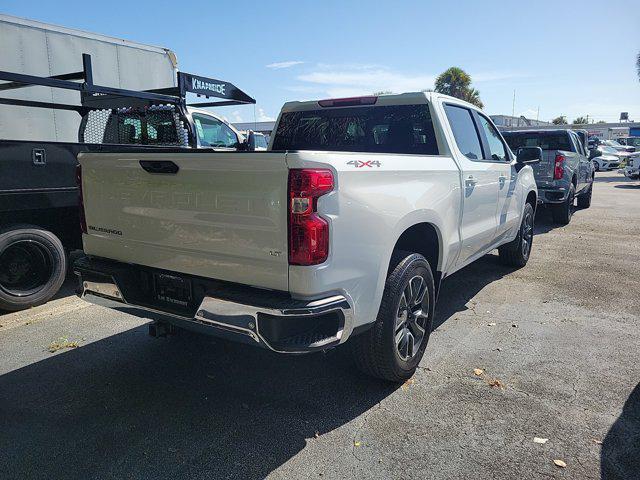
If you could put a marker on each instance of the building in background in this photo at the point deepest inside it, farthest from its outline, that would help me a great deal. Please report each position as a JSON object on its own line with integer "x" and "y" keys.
{"x": 604, "y": 131}
{"x": 521, "y": 121}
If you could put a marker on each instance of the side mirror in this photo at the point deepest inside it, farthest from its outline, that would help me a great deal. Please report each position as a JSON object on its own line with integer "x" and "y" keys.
{"x": 251, "y": 141}
{"x": 528, "y": 155}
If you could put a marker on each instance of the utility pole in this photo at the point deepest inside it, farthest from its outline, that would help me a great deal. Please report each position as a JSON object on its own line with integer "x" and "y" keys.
{"x": 538, "y": 114}
{"x": 513, "y": 107}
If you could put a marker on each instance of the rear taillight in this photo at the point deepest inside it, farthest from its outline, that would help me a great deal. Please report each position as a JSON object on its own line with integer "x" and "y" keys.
{"x": 83, "y": 220}
{"x": 558, "y": 169}
{"x": 308, "y": 232}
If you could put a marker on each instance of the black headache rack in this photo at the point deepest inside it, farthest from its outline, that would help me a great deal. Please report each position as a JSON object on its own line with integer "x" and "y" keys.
{"x": 97, "y": 97}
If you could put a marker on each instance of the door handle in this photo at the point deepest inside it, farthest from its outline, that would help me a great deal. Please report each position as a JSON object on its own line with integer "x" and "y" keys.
{"x": 471, "y": 180}
{"x": 502, "y": 179}
{"x": 159, "y": 166}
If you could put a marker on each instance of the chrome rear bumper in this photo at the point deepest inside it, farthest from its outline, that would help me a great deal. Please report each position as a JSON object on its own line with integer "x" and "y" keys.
{"x": 258, "y": 325}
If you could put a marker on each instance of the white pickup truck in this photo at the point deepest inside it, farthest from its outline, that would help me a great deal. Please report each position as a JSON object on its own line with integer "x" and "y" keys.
{"x": 343, "y": 230}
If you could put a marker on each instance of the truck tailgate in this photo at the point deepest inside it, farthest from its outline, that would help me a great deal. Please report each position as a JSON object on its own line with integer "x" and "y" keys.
{"x": 543, "y": 171}
{"x": 221, "y": 215}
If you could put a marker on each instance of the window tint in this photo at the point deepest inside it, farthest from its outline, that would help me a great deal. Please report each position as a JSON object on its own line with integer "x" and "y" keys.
{"x": 133, "y": 126}
{"x": 261, "y": 141}
{"x": 496, "y": 147}
{"x": 214, "y": 133}
{"x": 578, "y": 141}
{"x": 389, "y": 129}
{"x": 464, "y": 131}
{"x": 544, "y": 140}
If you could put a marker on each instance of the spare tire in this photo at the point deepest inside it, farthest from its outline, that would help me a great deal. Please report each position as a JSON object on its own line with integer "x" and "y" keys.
{"x": 33, "y": 266}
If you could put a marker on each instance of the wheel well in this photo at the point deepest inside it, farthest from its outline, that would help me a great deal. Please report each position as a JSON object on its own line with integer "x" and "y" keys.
{"x": 532, "y": 199}
{"x": 421, "y": 238}
{"x": 574, "y": 180}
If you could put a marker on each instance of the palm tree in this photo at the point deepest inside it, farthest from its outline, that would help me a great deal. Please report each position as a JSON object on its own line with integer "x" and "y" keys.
{"x": 580, "y": 121}
{"x": 473, "y": 96}
{"x": 561, "y": 120}
{"x": 454, "y": 81}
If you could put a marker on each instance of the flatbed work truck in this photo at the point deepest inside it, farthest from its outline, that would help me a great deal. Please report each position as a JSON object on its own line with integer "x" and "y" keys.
{"x": 39, "y": 216}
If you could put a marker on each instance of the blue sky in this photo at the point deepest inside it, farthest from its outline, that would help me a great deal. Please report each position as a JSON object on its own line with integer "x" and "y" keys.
{"x": 563, "y": 57}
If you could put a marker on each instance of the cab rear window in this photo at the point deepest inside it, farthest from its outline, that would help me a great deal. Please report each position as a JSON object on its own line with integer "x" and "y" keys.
{"x": 382, "y": 129}
{"x": 546, "y": 141}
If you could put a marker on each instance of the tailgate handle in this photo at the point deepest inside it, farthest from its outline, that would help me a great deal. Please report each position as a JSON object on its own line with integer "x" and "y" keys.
{"x": 159, "y": 166}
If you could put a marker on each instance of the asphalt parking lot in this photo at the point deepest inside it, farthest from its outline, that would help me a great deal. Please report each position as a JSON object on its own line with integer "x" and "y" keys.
{"x": 555, "y": 345}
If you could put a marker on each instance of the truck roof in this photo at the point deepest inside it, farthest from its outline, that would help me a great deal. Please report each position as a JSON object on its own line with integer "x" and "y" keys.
{"x": 542, "y": 130}
{"x": 409, "y": 98}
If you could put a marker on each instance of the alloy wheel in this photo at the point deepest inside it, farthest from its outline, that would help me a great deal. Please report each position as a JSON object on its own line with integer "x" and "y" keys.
{"x": 527, "y": 234}
{"x": 411, "y": 318}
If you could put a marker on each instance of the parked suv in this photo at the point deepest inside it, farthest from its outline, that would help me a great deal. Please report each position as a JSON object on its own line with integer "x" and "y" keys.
{"x": 565, "y": 172}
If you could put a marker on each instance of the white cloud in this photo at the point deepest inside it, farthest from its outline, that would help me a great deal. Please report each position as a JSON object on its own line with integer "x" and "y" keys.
{"x": 236, "y": 117}
{"x": 261, "y": 116}
{"x": 281, "y": 65}
{"x": 356, "y": 79}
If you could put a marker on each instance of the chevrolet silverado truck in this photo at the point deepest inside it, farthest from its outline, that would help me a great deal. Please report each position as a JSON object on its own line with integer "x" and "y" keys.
{"x": 565, "y": 172}
{"x": 342, "y": 231}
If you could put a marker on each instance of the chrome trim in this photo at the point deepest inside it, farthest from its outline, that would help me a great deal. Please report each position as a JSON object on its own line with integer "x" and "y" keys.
{"x": 105, "y": 289}
{"x": 211, "y": 309}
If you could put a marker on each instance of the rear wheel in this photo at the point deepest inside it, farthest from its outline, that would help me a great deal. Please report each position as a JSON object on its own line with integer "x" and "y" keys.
{"x": 393, "y": 347}
{"x": 584, "y": 199}
{"x": 596, "y": 166}
{"x": 562, "y": 213}
{"x": 517, "y": 252}
{"x": 33, "y": 266}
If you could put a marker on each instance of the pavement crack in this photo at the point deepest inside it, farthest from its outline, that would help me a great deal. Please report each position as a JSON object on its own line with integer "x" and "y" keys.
{"x": 356, "y": 434}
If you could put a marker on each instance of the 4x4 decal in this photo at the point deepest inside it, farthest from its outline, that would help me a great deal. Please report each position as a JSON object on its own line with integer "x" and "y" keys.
{"x": 361, "y": 164}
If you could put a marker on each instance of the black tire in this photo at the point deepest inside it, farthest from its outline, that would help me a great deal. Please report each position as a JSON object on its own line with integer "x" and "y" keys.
{"x": 377, "y": 351}
{"x": 562, "y": 213}
{"x": 596, "y": 166}
{"x": 516, "y": 253}
{"x": 584, "y": 199}
{"x": 33, "y": 266}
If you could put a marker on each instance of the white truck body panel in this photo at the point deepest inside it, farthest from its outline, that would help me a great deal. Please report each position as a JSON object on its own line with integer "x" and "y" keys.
{"x": 37, "y": 48}
{"x": 224, "y": 215}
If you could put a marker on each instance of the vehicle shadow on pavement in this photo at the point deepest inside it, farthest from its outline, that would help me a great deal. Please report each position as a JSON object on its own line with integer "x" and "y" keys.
{"x": 612, "y": 179}
{"x": 462, "y": 286}
{"x": 544, "y": 220}
{"x": 131, "y": 406}
{"x": 620, "y": 456}
{"x": 629, "y": 186}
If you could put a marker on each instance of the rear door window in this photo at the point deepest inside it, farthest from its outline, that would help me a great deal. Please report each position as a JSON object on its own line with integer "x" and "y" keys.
{"x": 497, "y": 151}
{"x": 464, "y": 131}
{"x": 382, "y": 129}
